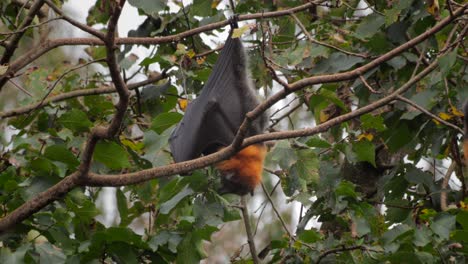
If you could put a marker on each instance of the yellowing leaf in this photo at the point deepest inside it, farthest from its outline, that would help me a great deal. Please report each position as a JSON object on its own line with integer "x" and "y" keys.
{"x": 445, "y": 116}
{"x": 239, "y": 31}
{"x": 455, "y": 111}
{"x": 181, "y": 49}
{"x": 201, "y": 60}
{"x": 436, "y": 121}
{"x": 131, "y": 144}
{"x": 3, "y": 69}
{"x": 215, "y": 3}
{"x": 183, "y": 104}
{"x": 367, "y": 136}
{"x": 323, "y": 116}
{"x": 191, "y": 53}
{"x": 463, "y": 206}
{"x": 433, "y": 8}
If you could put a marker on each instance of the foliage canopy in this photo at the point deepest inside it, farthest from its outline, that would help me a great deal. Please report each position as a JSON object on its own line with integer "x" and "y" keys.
{"x": 364, "y": 99}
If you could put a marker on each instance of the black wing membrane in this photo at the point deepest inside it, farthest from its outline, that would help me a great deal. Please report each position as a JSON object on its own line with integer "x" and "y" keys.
{"x": 212, "y": 120}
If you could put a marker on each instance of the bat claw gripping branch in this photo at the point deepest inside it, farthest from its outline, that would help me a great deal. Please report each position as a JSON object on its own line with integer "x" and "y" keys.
{"x": 233, "y": 21}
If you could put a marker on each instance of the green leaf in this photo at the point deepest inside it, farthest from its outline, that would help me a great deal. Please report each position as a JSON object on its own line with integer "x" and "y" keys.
{"x": 7, "y": 256}
{"x": 422, "y": 236}
{"x": 112, "y": 155}
{"x": 397, "y": 63}
{"x": 346, "y": 189}
{"x": 63, "y": 154}
{"x": 336, "y": 62}
{"x": 303, "y": 172}
{"x": 81, "y": 205}
{"x": 462, "y": 219}
{"x": 207, "y": 213}
{"x": 149, "y": 7}
{"x": 165, "y": 237}
{"x": 50, "y": 254}
{"x": 122, "y": 207}
{"x": 396, "y": 233}
{"x": 155, "y": 148}
{"x": 201, "y": 8}
{"x": 309, "y": 236}
{"x": 416, "y": 175}
{"x": 332, "y": 97}
{"x": 112, "y": 237}
{"x": 164, "y": 121}
{"x": 43, "y": 166}
{"x": 443, "y": 225}
{"x": 446, "y": 62}
{"x": 460, "y": 235}
{"x": 99, "y": 13}
{"x": 316, "y": 142}
{"x": 369, "y": 121}
{"x": 391, "y": 16}
{"x": 401, "y": 136}
{"x": 283, "y": 154}
{"x": 75, "y": 120}
{"x": 365, "y": 151}
{"x": 298, "y": 54}
{"x": 186, "y": 251}
{"x": 369, "y": 26}
{"x": 362, "y": 226}
{"x": 166, "y": 207}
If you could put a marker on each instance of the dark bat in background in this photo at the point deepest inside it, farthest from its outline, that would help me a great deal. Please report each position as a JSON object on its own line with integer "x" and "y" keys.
{"x": 213, "y": 118}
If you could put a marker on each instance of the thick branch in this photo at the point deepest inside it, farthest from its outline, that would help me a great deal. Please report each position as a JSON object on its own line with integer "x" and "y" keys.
{"x": 12, "y": 43}
{"x": 78, "y": 93}
{"x": 248, "y": 230}
{"x": 37, "y": 203}
{"x": 100, "y": 132}
{"x": 187, "y": 166}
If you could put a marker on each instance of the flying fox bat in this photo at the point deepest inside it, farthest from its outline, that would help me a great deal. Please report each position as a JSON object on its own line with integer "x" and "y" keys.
{"x": 211, "y": 121}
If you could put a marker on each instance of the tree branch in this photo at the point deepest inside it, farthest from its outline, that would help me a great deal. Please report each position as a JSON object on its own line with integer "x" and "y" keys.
{"x": 78, "y": 93}
{"x": 420, "y": 108}
{"x": 12, "y": 43}
{"x": 248, "y": 230}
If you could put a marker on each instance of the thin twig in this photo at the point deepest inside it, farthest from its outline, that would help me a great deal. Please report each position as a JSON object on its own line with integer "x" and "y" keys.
{"x": 363, "y": 80}
{"x": 311, "y": 39}
{"x": 420, "y": 108}
{"x": 20, "y": 88}
{"x": 343, "y": 249}
{"x": 29, "y": 27}
{"x": 444, "y": 186}
{"x": 77, "y": 93}
{"x": 267, "y": 194}
{"x": 248, "y": 230}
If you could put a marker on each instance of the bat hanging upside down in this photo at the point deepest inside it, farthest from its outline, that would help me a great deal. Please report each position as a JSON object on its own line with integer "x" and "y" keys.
{"x": 213, "y": 118}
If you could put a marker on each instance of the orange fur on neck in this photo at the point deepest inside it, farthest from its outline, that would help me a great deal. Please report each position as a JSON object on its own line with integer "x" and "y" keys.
{"x": 245, "y": 169}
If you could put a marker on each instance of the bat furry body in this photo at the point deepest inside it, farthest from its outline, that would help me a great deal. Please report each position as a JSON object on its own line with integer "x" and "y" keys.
{"x": 213, "y": 118}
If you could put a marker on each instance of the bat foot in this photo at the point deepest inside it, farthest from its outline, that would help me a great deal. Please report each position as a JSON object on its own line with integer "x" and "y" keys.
{"x": 233, "y": 21}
